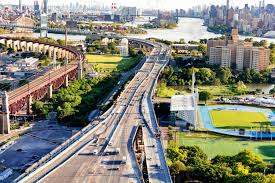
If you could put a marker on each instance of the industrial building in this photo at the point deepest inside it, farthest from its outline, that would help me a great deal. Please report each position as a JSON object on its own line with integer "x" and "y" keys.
{"x": 183, "y": 110}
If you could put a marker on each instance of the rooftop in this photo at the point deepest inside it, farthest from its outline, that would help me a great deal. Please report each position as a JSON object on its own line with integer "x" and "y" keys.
{"x": 182, "y": 103}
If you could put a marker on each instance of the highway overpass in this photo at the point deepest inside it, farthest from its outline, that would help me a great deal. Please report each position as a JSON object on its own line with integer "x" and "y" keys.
{"x": 88, "y": 157}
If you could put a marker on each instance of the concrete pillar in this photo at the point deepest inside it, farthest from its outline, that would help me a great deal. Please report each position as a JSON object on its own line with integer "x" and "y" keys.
{"x": 55, "y": 52}
{"x": 79, "y": 70}
{"x": 16, "y": 45}
{"x": 59, "y": 53}
{"x": 50, "y": 50}
{"x": 67, "y": 54}
{"x": 50, "y": 91}
{"x": 45, "y": 49}
{"x": 3, "y": 41}
{"x": 41, "y": 48}
{"x": 29, "y": 46}
{"x": 66, "y": 82}
{"x": 64, "y": 54}
{"x": 5, "y": 125}
{"x": 9, "y": 43}
{"x": 29, "y": 105}
{"x": 23, "y": 45}
{"x": 35, "y": 47}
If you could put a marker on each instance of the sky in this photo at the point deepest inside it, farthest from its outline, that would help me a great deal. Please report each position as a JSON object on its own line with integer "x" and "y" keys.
{"x": 157, "y": 4}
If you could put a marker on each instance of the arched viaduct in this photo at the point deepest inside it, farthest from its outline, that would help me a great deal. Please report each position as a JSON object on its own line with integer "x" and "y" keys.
{"x": 16, "y": 100}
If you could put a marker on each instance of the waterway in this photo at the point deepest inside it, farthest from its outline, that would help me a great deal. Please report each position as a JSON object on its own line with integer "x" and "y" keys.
{"x": 187, "y": 29}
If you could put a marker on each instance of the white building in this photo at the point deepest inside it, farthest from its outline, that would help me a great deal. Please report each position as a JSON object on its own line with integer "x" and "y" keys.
{"x": 124, "y": 47}
{"x": 183, "y": 110}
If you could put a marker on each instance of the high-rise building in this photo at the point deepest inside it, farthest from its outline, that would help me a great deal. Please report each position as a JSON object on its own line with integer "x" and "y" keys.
{"x": 45, "y": 6}
{"x": 237, "y": 54}
{"x": 227, "y": 12}
{"x": 36, "y": 8}
{"x": 220, "y": 55}
{"x": 20, "y": 6}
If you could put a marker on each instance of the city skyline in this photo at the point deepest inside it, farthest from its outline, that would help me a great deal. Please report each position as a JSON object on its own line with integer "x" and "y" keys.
{"x": 157, "y": 4}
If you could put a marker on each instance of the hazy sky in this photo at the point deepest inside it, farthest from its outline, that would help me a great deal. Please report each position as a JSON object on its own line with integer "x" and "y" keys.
{"x": 162, "y": 4}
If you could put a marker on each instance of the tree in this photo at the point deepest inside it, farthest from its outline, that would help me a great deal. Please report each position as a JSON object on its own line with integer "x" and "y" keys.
{"x": 10, "y": 50}
{"x": 258, "y": 91}
{"x": 177, "y": 167}
{"x": 40, "y": 109}
{"x": 182, "y": 41}
{"x": 204, "y": 96}
{"x": 5, "y": 86}
{"x": 272, "y": 91}
{"x": 241, "y": 87}
{"x": 23, "y": 82}
{"x": 202, "y": 48}
{"x": 224, "y": 74}
{"x": 61, "y": 42}
{"x": 3, "y": 48}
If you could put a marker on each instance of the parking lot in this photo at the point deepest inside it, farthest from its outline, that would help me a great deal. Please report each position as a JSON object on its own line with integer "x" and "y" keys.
{"x": 30, "y": 147}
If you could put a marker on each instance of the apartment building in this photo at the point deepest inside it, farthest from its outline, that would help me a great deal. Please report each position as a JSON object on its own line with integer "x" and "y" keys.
{"x": 237, "y": 54}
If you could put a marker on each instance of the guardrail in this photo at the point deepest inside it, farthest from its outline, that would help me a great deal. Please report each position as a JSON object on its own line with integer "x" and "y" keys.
{"x": 54, "y": 153}
{"x": 155, "y": 118}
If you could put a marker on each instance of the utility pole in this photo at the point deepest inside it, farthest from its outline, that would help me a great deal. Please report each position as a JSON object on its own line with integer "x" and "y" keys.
{"x": 66, "y": 36}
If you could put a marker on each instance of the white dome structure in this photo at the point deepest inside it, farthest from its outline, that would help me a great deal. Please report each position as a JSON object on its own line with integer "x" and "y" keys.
{"x": 124, "y": 42}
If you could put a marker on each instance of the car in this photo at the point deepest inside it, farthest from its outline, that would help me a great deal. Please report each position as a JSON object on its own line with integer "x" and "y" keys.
{"x": 95, "y": 152}
{"x": 114, "y": 169}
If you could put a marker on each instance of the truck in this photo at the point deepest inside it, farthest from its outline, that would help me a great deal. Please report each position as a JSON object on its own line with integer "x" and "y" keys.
{"x": 112, "y": 151}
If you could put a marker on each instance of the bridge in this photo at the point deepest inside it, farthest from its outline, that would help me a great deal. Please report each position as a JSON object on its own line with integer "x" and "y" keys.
{"x": 16, "y": 100}
{"x": 88, "y": 155}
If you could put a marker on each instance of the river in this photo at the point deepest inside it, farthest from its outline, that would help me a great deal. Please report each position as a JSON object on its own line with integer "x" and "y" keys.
{"x": 187, "y": 29}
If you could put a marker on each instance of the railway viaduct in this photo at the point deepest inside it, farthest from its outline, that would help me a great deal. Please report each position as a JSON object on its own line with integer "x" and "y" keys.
{"x": 16, "y": 100}
{"x": 43, "y": 87}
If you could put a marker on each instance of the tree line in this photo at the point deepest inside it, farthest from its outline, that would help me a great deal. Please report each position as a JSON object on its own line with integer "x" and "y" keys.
{"x": 212, "y": 76}
{"x": 190, "y": 163}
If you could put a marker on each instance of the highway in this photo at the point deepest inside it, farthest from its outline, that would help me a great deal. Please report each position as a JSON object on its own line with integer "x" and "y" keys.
{"x": 92, "y": 157}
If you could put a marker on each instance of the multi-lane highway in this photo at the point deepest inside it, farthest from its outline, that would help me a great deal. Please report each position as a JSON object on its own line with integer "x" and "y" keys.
{"x": 105, "y": 153}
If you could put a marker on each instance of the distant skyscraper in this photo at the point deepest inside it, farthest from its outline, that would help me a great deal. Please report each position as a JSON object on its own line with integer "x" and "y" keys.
{"x": 227, "y": 12}
{"x": 20, "y": 6}
{"x": 36, "y": 8}
{"x": 45, "y": 6}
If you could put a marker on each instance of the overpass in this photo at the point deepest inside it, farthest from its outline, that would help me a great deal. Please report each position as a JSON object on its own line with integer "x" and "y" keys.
{"x": 86, "y": 156}
{"x": 16, "y": 100}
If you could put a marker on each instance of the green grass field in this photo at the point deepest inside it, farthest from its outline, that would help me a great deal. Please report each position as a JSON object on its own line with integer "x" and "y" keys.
{"x": 109, "y": 63}
{"x": 238, "y": 119}
{"x": 214, "y": 145}
{"x": 168, "y": 92}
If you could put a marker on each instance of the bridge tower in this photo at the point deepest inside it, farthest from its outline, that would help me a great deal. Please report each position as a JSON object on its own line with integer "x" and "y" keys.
{"x": 44, "y": 25}
{"x": 66, "y": 36}
{"x": 5, "y": 120}
{"x": 177, "y": 16}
